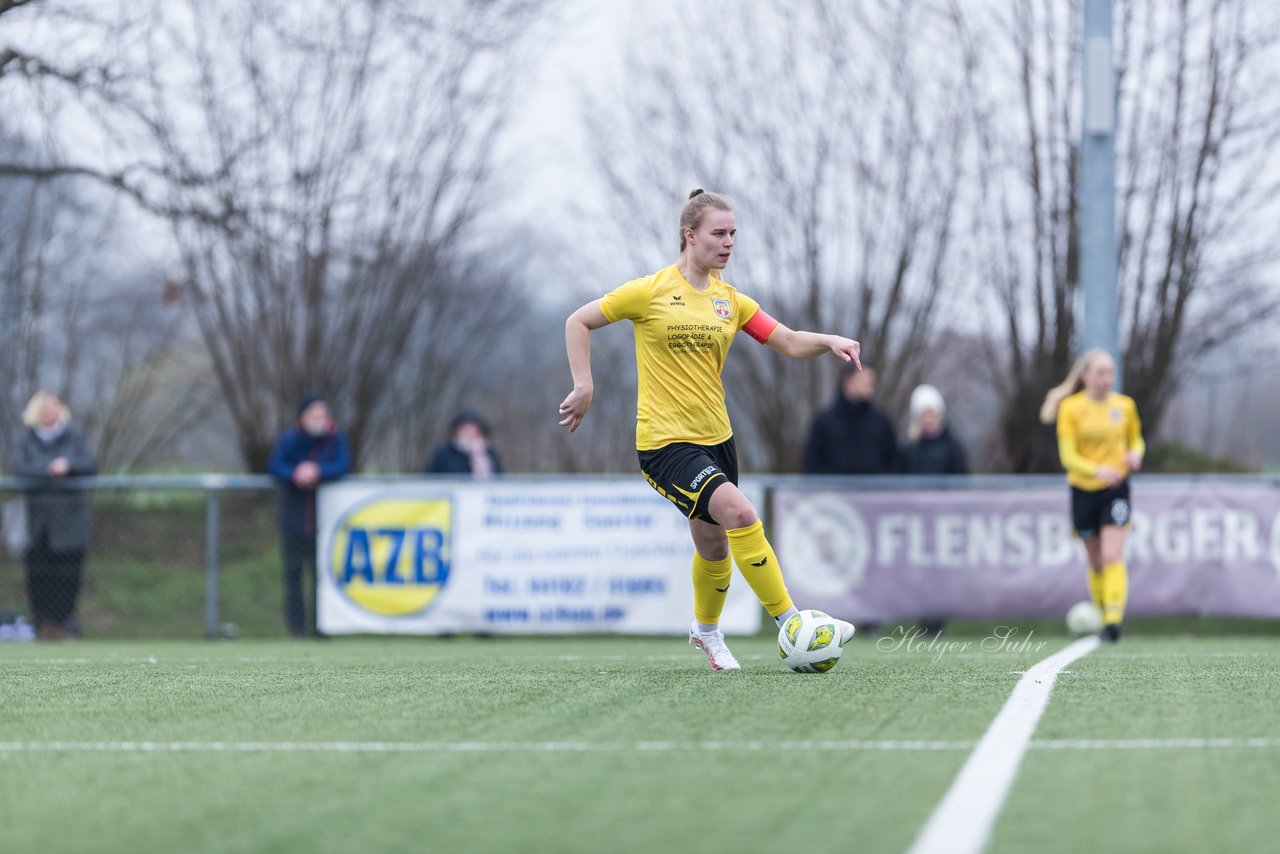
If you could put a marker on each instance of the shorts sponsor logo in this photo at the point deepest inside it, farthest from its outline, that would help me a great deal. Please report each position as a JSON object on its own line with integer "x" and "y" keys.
{"x": 702, "y": 475}
{"x": 1120, "y": 511}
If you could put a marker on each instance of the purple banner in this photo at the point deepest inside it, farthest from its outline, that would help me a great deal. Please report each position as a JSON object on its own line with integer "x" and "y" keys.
{"x": 903, "y": 555}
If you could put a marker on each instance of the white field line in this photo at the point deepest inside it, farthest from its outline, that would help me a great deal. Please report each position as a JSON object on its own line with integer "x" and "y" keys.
{"x": 816, "y": 745}
{"x": 274, "y": 659}
{"x": 1156, "y": 744}
{"x": 328, "y": 659}
{"x": 1173, "y": 654}
{"x": 466, "y": 746}
{"x": 962, "y": 821}
{"x": 318, "y": 659}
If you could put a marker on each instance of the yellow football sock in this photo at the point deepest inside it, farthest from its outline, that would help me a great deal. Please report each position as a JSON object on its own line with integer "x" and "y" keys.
{"x": 710, "y": 586}
{"x": 1095, "y": 585}
{"x": 759, "y": 565}
{"x": 1115, "y": 591}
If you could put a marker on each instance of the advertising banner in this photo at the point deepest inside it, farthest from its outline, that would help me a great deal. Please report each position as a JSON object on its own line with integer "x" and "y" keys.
{"x": 890, "y": 555}
{"x": 509, "y": 557}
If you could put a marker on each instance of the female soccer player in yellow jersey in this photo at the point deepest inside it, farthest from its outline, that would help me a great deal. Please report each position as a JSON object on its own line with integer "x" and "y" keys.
{"x": 685, "y": 317}
{"x": 1100, "y": 445}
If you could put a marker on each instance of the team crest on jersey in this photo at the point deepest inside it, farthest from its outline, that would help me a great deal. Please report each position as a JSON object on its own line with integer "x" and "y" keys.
{"x": 1117, "y": 415}
{"x": 722, "y": 308}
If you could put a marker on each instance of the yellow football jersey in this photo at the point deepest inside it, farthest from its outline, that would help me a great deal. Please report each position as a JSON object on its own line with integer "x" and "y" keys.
{"x": 682, "y": 339}
{"x": 1093, "y": 433}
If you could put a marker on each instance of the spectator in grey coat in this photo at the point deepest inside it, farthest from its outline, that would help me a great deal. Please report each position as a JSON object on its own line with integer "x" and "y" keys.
{"x": 48, "y": 451}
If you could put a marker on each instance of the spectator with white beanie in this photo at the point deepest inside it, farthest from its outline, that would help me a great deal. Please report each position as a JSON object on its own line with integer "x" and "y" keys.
{"x": 931, "y": 449}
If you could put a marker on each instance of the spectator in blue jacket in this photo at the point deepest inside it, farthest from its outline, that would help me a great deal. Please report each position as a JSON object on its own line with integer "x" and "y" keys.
{"x": 468, "y": 450}
{"x": 311, "y": 453}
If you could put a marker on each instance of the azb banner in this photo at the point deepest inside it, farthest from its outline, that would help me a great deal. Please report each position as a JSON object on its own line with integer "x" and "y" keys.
{"x": 509, "y": 557}
{"x": 1193, "y": 548}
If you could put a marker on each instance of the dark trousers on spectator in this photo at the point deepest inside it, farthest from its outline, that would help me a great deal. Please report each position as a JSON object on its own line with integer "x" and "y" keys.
{"x": 299, "y": 562}
{"x": 53, "y": 586}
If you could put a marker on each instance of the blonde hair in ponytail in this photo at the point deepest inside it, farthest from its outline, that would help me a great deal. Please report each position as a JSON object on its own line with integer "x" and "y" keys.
{"x": 1072, "y": 384}
{"x": 700, "y": 201}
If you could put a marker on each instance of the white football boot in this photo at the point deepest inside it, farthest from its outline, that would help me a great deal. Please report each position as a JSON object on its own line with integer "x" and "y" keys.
{"x": 712, "y": 643}
{"x": 846, "y": 631}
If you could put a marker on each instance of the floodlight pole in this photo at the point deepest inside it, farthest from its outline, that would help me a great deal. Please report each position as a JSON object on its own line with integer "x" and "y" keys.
{"x": 1098, "y": 187}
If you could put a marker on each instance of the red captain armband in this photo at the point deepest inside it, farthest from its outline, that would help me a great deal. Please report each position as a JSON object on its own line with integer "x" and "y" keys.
{"x": 761, "y": 326}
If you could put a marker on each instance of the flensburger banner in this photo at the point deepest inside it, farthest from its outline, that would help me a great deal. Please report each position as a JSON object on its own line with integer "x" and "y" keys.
{"x": 875, "y": 556}
{"x": 423, "y": 557}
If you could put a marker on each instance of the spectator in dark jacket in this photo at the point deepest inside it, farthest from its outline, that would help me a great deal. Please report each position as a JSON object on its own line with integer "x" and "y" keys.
{"x": 468, "y": 450}
{"x": 48, "y": 451}
{"x": 853, "y": 435}
{"x": 311, "y": 453}
{"x": 932, "y": 449}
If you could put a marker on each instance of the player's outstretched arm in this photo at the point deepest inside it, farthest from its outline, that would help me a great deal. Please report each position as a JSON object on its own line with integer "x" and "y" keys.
{"x": 577, "y": 341}
{"x": 806, "y": 345}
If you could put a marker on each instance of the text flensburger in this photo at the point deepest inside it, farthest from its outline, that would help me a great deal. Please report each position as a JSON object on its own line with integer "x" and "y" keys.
{"x": 876, "y": 556}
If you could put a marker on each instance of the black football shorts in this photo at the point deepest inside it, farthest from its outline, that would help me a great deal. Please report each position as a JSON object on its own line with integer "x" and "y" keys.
{"x": 687, "y": 474}
{"x": 1092, "y": 511}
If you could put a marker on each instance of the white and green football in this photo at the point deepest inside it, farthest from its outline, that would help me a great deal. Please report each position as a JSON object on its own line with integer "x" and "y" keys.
{"x": 810, "y": 642}
{"x": 1084, "y": 618}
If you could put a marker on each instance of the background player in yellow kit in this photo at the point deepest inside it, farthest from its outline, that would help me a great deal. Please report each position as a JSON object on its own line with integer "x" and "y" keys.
{"x": 1100, "y": 445}
{"x": 685, "y": 317}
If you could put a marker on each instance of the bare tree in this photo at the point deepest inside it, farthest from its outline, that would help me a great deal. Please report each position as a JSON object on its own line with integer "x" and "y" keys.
{"x": 1197, "y": 126}
{"x": 143, "y": 375}
{"x": 350, "y": 149}
{"x": 81, "y": 74}
{"x": 324, "y": 171}
{"x": 76, "y": 315}
{"x": 846, "y": 160}
{"x": 102, "y": 340}
{"x": 475, "y": 346}
{"x": 1193, "y": 247}
{"x": 31, "y": 220}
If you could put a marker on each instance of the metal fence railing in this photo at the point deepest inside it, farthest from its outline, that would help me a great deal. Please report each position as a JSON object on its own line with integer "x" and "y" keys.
{"x": 199, "y": 556}
{"x": 167, "y": 557}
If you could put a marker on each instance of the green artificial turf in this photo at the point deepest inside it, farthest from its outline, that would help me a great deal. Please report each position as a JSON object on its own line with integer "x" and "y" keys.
{"x": 614, "y": 744}
{"x": 1153, "y": 798}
